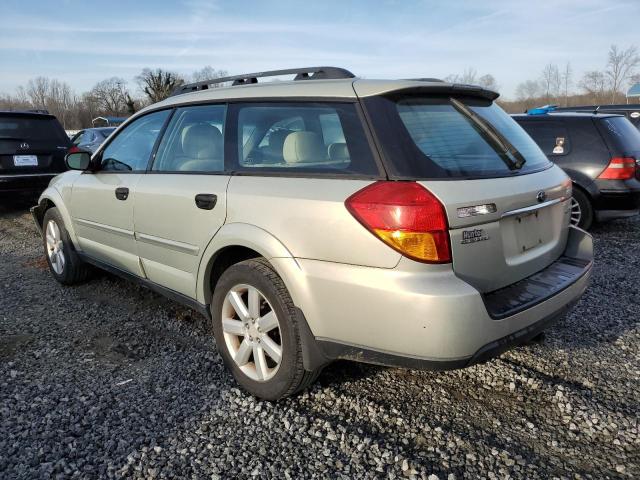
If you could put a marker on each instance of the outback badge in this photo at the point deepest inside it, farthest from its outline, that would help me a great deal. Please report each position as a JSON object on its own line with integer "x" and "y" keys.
{"x": 473, "y": 236}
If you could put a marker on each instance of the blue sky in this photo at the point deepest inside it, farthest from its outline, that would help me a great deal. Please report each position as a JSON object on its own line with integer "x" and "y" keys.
{"x": 82, "y": 42}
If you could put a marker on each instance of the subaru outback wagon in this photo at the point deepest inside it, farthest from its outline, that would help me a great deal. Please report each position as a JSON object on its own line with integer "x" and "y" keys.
{"x": 408, "y": 223}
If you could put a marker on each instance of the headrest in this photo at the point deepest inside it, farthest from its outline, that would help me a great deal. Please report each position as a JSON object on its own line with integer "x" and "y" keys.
{"x": 276, "y": 141}
{"x": 338, "y": 151}
{"x": 202, "y": 140}
{"x": 303, "y": 147}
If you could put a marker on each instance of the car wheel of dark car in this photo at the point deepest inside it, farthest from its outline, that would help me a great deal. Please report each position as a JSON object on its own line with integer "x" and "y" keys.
{"x": 581, "y": 210}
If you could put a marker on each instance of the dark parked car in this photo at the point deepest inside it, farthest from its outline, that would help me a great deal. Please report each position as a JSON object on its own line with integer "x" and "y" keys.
{"x": 600, "y": 152}
{"x": 631, "y": 111}
{"x": 90, "y": 139}
{"x": 32, "y": 149}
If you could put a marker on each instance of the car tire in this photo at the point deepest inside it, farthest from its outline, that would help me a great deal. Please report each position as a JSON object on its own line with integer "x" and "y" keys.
{"x": 581, "y": 210}
{"x": 64, "y": 263}
{"x": 250, "y": 295}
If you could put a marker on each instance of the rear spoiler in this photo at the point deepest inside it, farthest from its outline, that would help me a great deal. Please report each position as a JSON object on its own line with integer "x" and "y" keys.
{"x": 451, "y": 89}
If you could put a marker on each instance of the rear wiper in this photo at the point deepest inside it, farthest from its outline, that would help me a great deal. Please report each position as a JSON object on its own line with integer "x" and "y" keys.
{"x": 493, "y": 135}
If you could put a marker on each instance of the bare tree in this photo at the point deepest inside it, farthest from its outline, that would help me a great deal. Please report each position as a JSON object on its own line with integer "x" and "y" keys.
{"x": 110, "y": 96}
{"x": 488, "y": 81}
{"x": 37, "y": 91}
{"x": 620, "y": 67}
{"x": 567, "y": 81}
{"x": 595, "y": 84}
{"x": 551, "y": 81}
{"x": 208, "y": 73}
{"x": 528, "y": 90}
{"x": 468, "y": 76}
{"x": 158, "y": 84}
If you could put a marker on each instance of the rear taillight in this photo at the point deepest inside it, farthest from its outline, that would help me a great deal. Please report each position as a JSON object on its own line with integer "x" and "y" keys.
{"x": 405, "y": 216}
{"x": 619, "y": 168}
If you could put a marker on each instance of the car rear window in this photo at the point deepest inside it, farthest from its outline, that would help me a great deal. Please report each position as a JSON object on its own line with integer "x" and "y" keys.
{"x": 45, "y": 129}
{"x": 444, "y": 137}
{"x": 621, "y": 132}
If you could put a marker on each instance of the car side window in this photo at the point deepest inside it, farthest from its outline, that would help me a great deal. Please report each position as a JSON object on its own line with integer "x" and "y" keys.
{"x": 194, "y": 141}
{"x": 552, "y": 137}
{"x": 131, "y": 149}
{"x": 313, "y": 137}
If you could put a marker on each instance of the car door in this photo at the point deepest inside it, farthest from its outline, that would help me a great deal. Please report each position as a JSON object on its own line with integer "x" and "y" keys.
{"x": 102, "y": 200}
{"x": 181, "y": 202}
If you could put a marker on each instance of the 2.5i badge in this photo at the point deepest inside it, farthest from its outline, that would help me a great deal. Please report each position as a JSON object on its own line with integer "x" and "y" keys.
{"x": 473, "y": 236}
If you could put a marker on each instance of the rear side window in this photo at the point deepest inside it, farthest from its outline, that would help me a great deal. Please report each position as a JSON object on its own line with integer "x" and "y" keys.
{"x": 442, "y": 137}
{"x": 193, "y": 141}
{"x": 43, "y": 129}
{"x": 551, "y": 136}
{"x": 621, "y": 133}
{"x": 302, "y": 137}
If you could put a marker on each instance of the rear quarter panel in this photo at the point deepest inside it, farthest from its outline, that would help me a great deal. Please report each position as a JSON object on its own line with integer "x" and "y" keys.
{"x": 309, "y": 217}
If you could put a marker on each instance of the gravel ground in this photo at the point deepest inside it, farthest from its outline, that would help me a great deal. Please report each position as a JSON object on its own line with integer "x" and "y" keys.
{"x": 110, "y": 380}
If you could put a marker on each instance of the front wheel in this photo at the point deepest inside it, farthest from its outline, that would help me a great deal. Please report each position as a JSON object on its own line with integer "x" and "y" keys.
{"x": 256, "y": 330}
{"x": 64, "y": 263}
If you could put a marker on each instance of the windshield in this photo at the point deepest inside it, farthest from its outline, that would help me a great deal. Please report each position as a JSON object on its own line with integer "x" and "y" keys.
{"x": 456, "y": 137}
{"x": 45, "y": 129}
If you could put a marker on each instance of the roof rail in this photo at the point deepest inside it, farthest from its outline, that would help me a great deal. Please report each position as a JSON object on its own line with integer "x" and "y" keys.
{"x": 310, "y": 73}
{"x": 427, "y": 79}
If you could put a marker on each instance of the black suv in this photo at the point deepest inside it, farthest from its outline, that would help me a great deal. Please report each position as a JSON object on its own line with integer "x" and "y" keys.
{"x": 630, "y": 110}
{"x": 32, "y": 149}
{"x": 600, "y": 152}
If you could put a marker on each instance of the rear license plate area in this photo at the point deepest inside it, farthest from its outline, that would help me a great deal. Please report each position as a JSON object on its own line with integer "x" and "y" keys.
{"x": 528, "y": 233}
{"x": 25, "y": 160}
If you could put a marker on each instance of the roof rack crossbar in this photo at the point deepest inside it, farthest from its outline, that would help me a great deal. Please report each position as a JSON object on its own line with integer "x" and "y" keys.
{"x": 310, "y": 73}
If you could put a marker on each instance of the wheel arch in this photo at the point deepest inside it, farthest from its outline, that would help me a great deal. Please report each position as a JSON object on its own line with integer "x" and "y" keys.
{"x": 51, "y": 198}
{"x": 235, "y": 242}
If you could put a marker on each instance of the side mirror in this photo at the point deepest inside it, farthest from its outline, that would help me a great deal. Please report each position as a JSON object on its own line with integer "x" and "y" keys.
{"x": 78, "y": 160}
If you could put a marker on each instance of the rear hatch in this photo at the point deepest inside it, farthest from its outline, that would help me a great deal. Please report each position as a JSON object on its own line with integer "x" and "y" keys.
{"x": 507, "y": 205}
{"x": 31, "y": 143}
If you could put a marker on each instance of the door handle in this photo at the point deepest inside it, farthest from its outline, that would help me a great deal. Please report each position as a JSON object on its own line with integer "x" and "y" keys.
{"x": 206, "y": 201}
{"x": 122, "y": 193}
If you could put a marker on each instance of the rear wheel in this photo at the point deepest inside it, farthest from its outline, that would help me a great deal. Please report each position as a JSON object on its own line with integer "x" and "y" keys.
{"x": 256, "y": 330}
{"x": 64, "y": 263}
{"x": 581, "y": 210}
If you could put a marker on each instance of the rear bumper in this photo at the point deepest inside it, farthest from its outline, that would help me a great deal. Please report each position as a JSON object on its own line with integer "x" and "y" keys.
{"x": 26, "y": 182}
{"x": 414, "y": 318}
{"x": 617, "y": 199}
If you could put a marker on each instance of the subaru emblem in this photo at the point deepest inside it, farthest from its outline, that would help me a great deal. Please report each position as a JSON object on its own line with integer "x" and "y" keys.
{"x": 23, "y": 146}
{"x": 541, "y": 196}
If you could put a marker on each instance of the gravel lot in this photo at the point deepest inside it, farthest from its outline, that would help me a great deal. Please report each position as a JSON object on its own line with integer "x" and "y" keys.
{"x": 110, "y": 380}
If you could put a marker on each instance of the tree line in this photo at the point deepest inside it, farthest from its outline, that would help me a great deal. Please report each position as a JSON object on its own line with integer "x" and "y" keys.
{"x": 109, "y": 97}
{"x": 556, "y": 84}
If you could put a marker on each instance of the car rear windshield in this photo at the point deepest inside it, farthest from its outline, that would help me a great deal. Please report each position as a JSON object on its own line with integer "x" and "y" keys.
{"x": 447, "y": 137}
{"x": 624, "y": 136}
{"x": 38, "y": 129}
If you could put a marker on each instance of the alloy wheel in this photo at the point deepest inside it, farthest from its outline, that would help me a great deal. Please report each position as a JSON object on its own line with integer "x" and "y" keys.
{"x": 576, "y": 212}
{"x": 55, "y": 252}
{"x": 252, "y": 332}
